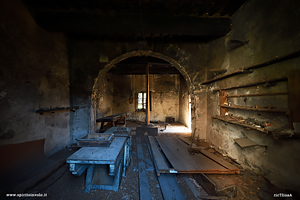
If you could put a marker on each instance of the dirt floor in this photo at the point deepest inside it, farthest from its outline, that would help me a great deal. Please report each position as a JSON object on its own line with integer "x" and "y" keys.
{"x": 63, "y": 185}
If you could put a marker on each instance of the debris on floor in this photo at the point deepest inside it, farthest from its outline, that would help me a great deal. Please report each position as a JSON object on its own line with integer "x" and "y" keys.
{"x": 244, "y": 186}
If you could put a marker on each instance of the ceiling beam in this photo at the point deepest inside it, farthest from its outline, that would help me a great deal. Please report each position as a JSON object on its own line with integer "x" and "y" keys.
{"x": 130, "y": 24}
{"x": 140, "y": 69}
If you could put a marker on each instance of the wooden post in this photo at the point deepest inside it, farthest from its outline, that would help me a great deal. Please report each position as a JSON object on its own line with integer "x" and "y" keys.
{"x": 148, "y": 100}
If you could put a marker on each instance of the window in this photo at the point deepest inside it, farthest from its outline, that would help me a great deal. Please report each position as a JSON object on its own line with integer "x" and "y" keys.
{"x": 141, "y": 101}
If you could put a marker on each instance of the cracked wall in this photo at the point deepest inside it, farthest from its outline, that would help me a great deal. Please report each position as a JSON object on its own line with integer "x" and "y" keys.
{"x": 271, "y": 34}
{"x": 33, "y": 75}
{"x": 164, "y": 96}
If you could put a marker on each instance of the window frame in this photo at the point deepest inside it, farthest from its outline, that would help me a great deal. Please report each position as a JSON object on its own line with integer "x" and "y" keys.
{"x": 145, "y": 103}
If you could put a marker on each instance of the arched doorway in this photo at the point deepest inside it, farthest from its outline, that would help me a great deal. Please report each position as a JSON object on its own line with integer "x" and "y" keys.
{"x": 101, "y": 88}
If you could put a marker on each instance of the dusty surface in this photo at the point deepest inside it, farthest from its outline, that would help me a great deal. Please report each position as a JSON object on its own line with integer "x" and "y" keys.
{"x": 249, "y": 185}
{"x": 63, "y": 185}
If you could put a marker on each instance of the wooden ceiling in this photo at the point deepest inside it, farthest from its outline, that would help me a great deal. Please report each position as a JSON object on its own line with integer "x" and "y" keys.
{"x": 137, "y": 66}
{"x": 136, "y": 19}
{"x": 179, "y": 20}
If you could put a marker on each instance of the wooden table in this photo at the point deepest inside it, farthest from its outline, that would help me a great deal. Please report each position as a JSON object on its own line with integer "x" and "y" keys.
{"x": 111, "y": 159}
{"x": 119, "y": 131}
{"x": 113, "y": 119}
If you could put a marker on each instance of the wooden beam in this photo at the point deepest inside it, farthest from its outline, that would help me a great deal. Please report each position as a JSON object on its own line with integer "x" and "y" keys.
{"x": 125, "y": 69}
{"x": 129, "y": 24}
{"x": 148, "y": 99}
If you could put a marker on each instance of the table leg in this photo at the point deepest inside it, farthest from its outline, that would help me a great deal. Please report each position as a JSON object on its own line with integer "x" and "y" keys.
{"x": 88, "y": 179}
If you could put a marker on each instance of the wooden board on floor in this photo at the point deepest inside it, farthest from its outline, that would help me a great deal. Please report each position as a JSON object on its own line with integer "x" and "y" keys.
{"x": 159, "y": 162}
{"x": 187, "y": 141}
{"x": 213, "y": 157}
{"x": 182, "y": 162}
{"x": 169, "y": 187}
{"x": 143, "y": 178}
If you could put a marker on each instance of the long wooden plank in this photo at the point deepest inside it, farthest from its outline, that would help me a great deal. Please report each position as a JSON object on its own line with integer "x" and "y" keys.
{"x": 227, "y": 75}
{"x": 260, "y": 82}
{"x": 211, "y": 156}
{"x": 186, "y": 140}
{"x": 182, "y": 161}
{"x": 177, "y": 160}
{"x": 261, "y": 94}
{"x": 235, "y": 120}
{"x": 143, "y": 178}
{"x": 214, "y": 157}
{"x": 159, "y": 161}
{"x": 254, "y": 109}
{"x": 169, "y": 187}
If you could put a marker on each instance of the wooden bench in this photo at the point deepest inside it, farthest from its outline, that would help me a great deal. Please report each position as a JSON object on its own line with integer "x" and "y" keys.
{"x": 113, "y": 120}
{"x": 104, "y": 165}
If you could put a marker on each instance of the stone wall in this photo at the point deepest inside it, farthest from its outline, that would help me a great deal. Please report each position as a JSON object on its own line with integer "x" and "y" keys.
{"x": 33, "y": 75}
{"x": 184, "y": 104}
{"x": 164, "y": 96}
{"x": 269, "y": 26}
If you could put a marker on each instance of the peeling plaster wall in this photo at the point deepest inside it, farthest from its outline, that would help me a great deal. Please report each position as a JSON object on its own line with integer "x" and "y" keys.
{"x": 83, "y": 68}
{"x": 33, "y": 75}
{"x": 164, "y": 96}
{"x": 270, "y": 28}
{"x": 104, "y": 105}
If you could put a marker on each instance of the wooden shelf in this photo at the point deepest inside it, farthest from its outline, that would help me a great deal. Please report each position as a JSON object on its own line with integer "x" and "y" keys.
{"x": 261, "y": 94}
{"x": 277, "y": 134}
{"x": 261, "y": 82}
{"x": 274, "y": 60}
{"x": 239, "y": 121}
{"x": 53, "y": 110}
{"x": 287, "y": 111}
{"x": 245, "y": 142}
{"x": 240, "y": 71}
{"x": 256, "y": 66}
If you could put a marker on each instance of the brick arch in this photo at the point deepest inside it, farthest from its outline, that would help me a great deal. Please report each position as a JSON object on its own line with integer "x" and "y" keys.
{"x": 149, "y": 53}
{"x": 97, "y": 86}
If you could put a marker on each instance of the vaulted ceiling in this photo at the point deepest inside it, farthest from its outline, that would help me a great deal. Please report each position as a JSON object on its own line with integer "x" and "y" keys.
{"x": 135, "y": 19}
